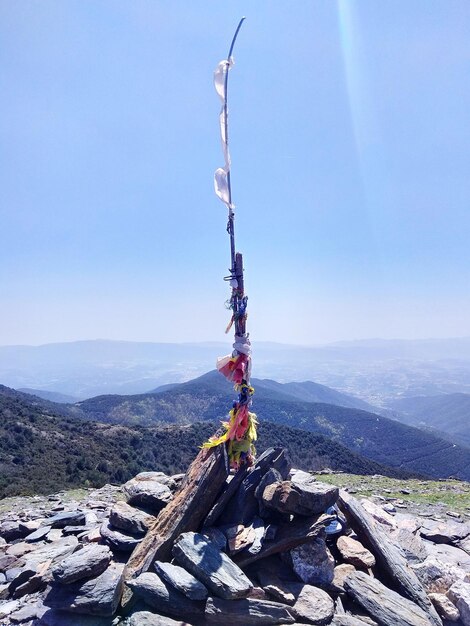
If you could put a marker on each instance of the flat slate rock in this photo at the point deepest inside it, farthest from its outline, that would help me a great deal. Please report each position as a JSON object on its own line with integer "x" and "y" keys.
{"x": 163, "y": 597}
{"x": 90, "y": 561}
{"x": 214, "y": 568}
{"x": 53, "y": 617}
{"x": 247, "y": 612}
{"x": 129, "y": 519}
{"x": 67, "y": 518}
{"x": 53, "y": 551}
{"x": 383, "y": 604}
{"x": 181, "y": 580}
{"x": 38, "y": 534}
{"x": 147, "y": 489}
{"x": 118, "y": 540}
{"x": 444, "y": 532}
{"x": 97, "y": 596}
{"x": 302, "y": 497}
{"x": 145, "y": 618}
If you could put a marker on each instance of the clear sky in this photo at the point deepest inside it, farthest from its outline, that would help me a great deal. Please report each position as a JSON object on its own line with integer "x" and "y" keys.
{"x": 350, "y": 142}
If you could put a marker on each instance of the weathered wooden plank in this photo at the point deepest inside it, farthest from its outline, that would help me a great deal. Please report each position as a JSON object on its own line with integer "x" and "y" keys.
{"x": 200, "y": 487}
{"x": 287, "y": 537}
{"x": 388, "y": 556}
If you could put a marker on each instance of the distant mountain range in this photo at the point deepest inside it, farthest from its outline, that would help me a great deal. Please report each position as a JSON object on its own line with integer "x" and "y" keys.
{"x": 208, "y": 397}
{"x": 449, "y": 413}
{"x": 374, "y": 370}
{"x": 42, "y": 450}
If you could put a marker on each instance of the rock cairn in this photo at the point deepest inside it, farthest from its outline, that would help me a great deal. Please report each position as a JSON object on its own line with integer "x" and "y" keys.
{"x": 270, "y": 545}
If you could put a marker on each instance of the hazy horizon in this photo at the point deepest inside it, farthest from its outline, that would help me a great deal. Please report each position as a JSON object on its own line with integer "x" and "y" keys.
{"x": 350, "y": 147}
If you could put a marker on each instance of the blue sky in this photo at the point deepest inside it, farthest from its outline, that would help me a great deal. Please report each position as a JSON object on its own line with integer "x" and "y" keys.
{"x": 350, "y": 142}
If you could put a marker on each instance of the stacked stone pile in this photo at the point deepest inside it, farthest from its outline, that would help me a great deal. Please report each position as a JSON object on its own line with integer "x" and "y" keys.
{"x": 277, "y": 546}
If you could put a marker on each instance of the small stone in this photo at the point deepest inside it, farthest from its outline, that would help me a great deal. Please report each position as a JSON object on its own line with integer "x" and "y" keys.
{"x": 246, "y": 612}
{"x": 239, "y": 537}
{"x": 122, "y": 542}
{"x": 211, "y": 566}
{"x": 275, "y": 587}
{"x": 8, "y": 561}
{"x": 444, "y": 532}
{"x": 355, "y": 553}
{"x": 459, "y": 594}
{"x": 313, "y": 605}
{"x": 412, "y": 546}
{"x": 181, "y": 580}
{"x": 453, "y": 514}
{"x": 313, "y": 562}
{"x": 445, "y": 607}
{"x": 340, "y": 574}
{"x": 129, "y": 519}
{"x": 88, "y": 562}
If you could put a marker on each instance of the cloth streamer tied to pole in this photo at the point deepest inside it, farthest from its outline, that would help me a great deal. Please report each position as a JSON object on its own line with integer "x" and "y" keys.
{"x": 240, "y": 430}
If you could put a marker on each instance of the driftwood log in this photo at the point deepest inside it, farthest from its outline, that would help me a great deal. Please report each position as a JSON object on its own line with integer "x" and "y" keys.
{"x": 186, "y": 512}
{"x": 388, "y": 556}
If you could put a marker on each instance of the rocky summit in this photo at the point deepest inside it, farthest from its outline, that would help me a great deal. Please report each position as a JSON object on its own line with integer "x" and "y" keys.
{"x": 267, "y": 545}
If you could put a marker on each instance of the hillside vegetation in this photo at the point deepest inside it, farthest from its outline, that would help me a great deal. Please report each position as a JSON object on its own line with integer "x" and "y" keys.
{"x": 43, "y": 452}
{"x": 384, "y": 440}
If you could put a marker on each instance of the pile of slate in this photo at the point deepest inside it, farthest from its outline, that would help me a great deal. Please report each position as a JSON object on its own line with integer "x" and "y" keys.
{"x": 278, "y": 546}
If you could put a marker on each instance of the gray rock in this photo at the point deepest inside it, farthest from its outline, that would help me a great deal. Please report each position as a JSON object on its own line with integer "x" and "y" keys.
{"x": 446, "y": 609}
{"x": 444, "y": 532}
{"x": 7, "y": 608}
{"x": 259, "y": 532}
{"x": 163, "y": 597}
{"x": 148, "y": 490}
{"x": 313, "y": 562}
{"x": 341, "y": 573}
{"x": 8, "y": 561}
{"x": 38, "y": 534}
{"x": 411, "y": 545}
{"x": 145, "y": 618}
{"x": 88, "y": 562}
{"x": 68, "y": 518}
{"x": 348, "y": 620}
{"x": 76, "y": 530}
{"x": 12, "y": 573}
{"x": 448, "y": 554}
{"x": 246, "y": 612}
{"x": 97, "y": 596}
{"x": 53, "y": 617}
{"x": 10, "y": 530}
{"x": 438, "y": 577}
{"x": 122, "y": 542}
{"x": 21, "y": 577}
{"x": 386, "y": 606}
{"x": 313, "y": 605}
{"x": 302, "y": 498}
{"x": 208, "y": 564}
{"x": 459, "y": 594}
{"x": 129, "y": 519}
{"x": 181, "y": 580}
